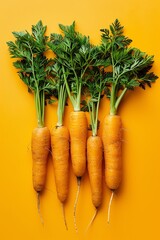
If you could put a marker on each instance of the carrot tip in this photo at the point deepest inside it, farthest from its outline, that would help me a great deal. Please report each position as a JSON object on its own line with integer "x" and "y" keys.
{"x": 93, "y": 218}
{"x": 38, "y": 206}
{"x": 76, "y": 201}
{"x": 64, "y": 217}
{"x": 109, "y": 207}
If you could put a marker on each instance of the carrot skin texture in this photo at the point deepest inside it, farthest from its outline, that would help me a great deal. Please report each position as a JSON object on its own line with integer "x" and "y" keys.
{"x": 60, "y": 155}
{"x": 78, "y": 142}
{"x": 40, "y": 146}
{"x": 112, "y": 144}
{"x": 94, "y": 160}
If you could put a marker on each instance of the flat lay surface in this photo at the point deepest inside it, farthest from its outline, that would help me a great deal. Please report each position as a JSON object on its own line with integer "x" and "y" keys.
{"x": 135, "y": 207}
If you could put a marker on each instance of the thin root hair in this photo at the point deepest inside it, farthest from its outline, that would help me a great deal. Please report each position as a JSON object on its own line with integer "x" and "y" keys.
{"x": 38, "y": 207}
{"x": 64, "y": 216}
{"x": 109, "y": 207}
{"x": 76, "y": 201}
{"x": 92, "y": 220}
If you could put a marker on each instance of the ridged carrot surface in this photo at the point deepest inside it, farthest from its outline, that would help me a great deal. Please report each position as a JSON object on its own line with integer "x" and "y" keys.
{"x": 112, "y": 143}
{"x": 40, "y": 149}
{"x": 60, "y": 154}
{"x": 94, "y": 160}
{"x": 78, "y": 140}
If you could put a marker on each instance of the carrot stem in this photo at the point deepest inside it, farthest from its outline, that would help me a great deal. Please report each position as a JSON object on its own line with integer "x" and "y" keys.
{"x": 62, "y": 96}
{"x": 39, "y": 95}
{"x": 120, "y": 98}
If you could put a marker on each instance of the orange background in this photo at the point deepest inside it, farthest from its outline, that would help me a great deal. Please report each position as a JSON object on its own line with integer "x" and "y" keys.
{"x": 135, "y": 210}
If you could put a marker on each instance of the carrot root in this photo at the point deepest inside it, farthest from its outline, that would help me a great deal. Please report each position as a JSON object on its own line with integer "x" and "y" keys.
{"x": 78, "y": 143}
{"x": 60, "y": 155}
{"x": 40, "y": 150}
{"x": 78, "y": 138}
{"x": 112, "y": 143}
{"x": 94, "y": 160}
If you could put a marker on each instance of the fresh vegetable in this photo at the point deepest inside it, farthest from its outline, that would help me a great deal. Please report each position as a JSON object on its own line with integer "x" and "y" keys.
{"x": 60, "y": 151}
{"x": 129, "y": 69}
{"x": 94, "y": 157}
{"x": 95, "y": 86}
{"x": 111, "y": 68}
{"x": 75, "y": 54}
{"x": 32, "y": 65}
{"x": 78, "y": 139}
{"x": 60, "y": 139}
{"x": 40, "y": 146}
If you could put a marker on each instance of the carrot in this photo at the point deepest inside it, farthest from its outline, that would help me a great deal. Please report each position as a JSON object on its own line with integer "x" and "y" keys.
{"x": 60, "y": 137}
{"x": 29, "y": 50}
{"x": 95, "y": 86}
{"x": 94, "y": 160}
{"x": 60, "y": 155}
{"x": 78, "y": 144}
{"x": 78, "y": 139}
{"x": 112, "y": 142}
{"x": 75, "y": 55}
{"x": 40, "y": 146}
{"x": 129, "y": 69}
{"x": 60, "y": 150}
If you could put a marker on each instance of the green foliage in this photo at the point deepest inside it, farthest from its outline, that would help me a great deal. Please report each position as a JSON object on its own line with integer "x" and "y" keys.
{"x": 75, "y": 55}
{"x": 32, "y": 64}
{"x": 130, "y": 66}
{"x": 60, "y": 92}
{"x": 111, "y": 68}
{"x": 94, "y": 89}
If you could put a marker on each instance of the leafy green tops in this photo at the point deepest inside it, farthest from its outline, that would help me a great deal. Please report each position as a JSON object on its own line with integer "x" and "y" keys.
{"x": 112, "y": 67}
{"x": 130, "y": 66}
{"x": 94, "y": 88}
{"x": 32, "y": 64}
{"x": 74, "y": 54}
{"x": 60, "y": 91}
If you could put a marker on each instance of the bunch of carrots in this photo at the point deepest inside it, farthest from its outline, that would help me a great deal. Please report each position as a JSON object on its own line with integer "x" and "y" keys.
{"x": 84, "y": 74}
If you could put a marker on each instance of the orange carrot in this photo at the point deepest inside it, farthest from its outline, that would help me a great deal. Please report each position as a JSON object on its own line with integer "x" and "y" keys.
{"x": 40, "y": 150}
{"x": 78, "y": 138}
{"x": 112, "y": 142}
{"x": 128, "y": 68}
{"x": 72, "y": 65}
{"x": 35, "y": 75}
{"x": 94, "y": 159}
{"x": 60, "y": 150}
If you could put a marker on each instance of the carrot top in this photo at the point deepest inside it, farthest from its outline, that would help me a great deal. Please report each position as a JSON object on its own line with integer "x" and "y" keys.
{"x": 74, "y": 54}
{"x": 32, "y": 64}
{"x": 130, "y": 66}
{"x": 95, "y": 86}
{"x": 58, "y": 90}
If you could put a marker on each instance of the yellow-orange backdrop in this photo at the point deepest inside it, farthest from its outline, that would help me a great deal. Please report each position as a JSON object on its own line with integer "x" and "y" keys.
{"x": 135, "y": 210}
